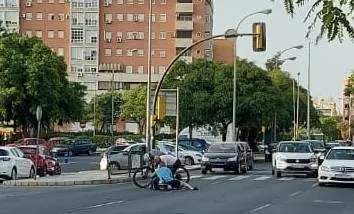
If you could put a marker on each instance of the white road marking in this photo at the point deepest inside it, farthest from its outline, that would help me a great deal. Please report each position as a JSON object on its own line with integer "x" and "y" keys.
{"x": 63, "y": 163}
{"x": 295, "y": 193}
{"x": 238, "y": 178}
{"x": 285, "y": 179}
{"x": 262, "y": 178}
{"x": 328, "y": 202}
{"x": 195, "y": 176}
{"x": 260, "y": 208}
{"x": 315, "y": 185}
{"x": 105, "y": 204}
{"x": 214, "y": 177}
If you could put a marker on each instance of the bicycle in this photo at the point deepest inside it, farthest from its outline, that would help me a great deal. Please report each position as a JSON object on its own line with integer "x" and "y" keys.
{"x": 144, "y": 173}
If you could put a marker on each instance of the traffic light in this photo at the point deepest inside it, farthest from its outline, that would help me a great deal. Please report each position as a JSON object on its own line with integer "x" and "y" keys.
{"x": 161, "y": 107}
{"x": 259, "y": 37}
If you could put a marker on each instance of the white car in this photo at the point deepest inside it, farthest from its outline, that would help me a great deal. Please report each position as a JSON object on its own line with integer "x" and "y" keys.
{"x": 188, "y": 157}
{"x": 337, "y": 167}
{"x": 294, "y": 157}
{"x": 14, "y": 164}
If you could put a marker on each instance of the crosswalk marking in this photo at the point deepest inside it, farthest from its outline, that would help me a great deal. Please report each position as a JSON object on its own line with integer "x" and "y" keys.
{"x": 238, "y": 178}
{"x": 285, "y": 179}
{"x": 196, "y": 176}
{"x": 215, "y": 177}
{"x": 262, "y": 178}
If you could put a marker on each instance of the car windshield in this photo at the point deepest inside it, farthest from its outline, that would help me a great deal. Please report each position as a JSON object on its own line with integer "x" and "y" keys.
{"x": 3, "y": 152}
{"x": 294, "y": 148}
{"x": 317, "y": 145}
{"x": 222, "y": 148}
{"x": 341, "y": 154}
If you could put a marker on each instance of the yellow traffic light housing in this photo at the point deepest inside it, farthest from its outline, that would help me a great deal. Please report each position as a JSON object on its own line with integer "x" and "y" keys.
{"x": 259, "y": 37}
{"x": 161, "y": 107}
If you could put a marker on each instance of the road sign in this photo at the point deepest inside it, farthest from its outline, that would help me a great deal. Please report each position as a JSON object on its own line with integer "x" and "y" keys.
{"x": 170, "y": 98}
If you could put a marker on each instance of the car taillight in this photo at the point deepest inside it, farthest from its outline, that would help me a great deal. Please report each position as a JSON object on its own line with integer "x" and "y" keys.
{"x": 5, "y": 158}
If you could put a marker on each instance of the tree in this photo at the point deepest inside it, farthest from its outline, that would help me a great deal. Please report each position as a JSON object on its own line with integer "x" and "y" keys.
{"x": 104, "y": 109}
{"x": 334, "y": 15}
{"x": 330, "y": 127}
{"x": 31, "y": 75}
{"x": 134, "y": 106}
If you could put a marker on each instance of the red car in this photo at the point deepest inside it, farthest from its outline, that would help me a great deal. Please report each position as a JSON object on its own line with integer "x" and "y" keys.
{"x": 32, "y": 141}
{"x": 45, "y": 163}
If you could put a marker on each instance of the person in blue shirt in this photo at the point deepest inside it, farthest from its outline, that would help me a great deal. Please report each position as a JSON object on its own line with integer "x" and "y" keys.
{"x": 164, "y": 174}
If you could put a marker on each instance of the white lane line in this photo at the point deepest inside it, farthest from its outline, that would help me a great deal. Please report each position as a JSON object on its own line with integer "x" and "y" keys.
{"x": 262, "y": 178}
{"x": 315, "y": 185}
{"x": 328, "y": 202}
{"x": 285, "y": 179}
{"x": 295, "y": 193}
{"x": 214, "y": 177}
{"x": 195, "y": 176}
{"x": 105, "y": 204}
{"x": 63, "y": 163}
{"x": 238, "y": 178}
{"x": 260, "y": 208}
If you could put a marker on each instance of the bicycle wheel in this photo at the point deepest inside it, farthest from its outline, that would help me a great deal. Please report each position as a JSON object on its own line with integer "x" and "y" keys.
{"x": 182, "y": 174}
{"x": 142, "y": 177}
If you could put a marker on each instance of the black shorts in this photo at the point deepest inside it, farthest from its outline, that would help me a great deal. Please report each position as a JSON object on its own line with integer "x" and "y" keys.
{"x": 174, "y": 184}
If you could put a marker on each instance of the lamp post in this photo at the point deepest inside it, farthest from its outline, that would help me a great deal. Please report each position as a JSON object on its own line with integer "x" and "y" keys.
{"x": 148, "y": 85}
{"x": 308, "y": 91}
{"x": 297, "y": 110}
{"x": 234, "y": 104}
{"x": 94, "y": 104}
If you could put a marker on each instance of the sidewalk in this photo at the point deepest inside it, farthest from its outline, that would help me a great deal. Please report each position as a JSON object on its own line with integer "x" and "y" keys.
{"x": 94, "y": 177}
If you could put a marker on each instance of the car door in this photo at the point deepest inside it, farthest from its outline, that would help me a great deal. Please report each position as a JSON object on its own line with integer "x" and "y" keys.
{"x": 20, "y": 166}
{"x": 26, "y": 163}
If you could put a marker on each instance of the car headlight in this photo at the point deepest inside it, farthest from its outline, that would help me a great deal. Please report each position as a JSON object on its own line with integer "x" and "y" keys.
{"x": 232, "y": 159}
{"x": 281, "y": 159}
{"x": 325, "y": 168}
{"x": 205, "y": 159}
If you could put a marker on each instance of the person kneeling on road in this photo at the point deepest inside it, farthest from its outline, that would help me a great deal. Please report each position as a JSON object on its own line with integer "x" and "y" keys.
{"x": 164, "y": 174}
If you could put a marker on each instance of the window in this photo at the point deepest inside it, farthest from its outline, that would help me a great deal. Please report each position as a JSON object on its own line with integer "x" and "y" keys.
{"x": 163, "y": 17}
{"x": 129, "y": 53}
{"x": 163, "y": 1}
{"x": 198, "y": 35}
{"x": 152, "y": 53}
{"x": 51, "y": 17}
{"x": 120, "y": 17}
{"x": 77, "y": 35}
{"x": 152, "y": 35}
{"x": 140, "y": 69}
{"x": 162, "y": 35}
{"x": 61, "y": 1}
{"x": 130, "y": 17}
{"x": 51, "y": 1}
{"x": 162, "y": 53}
{"x": 91, "y": 19}
{"x": 129, "y": 69}
{"x": 39, "y": 1}
{"x": 141, "y": 52}
{"x": 50, "y": 34}
{"x": 140, "y": 35}
{"x": 39, "y": 34}
{"x": 153, "y": 1}
{"x": 77, "y": 18}
{"x": 28, "y": 16}
{"x": 108, "y": 18}
{"x": 108, "y": 36}
{"x": 140, "y": 1}
{"x": 120, "y": 35}
{"x": 108, "y": 52}
{"x": 120, "y": 1}
{"x": 119, "y": 52}
{"x": 29, "y": 33}
{"x": 153, "y": 18}
{"x": 141, "y": 17}
{"x": 162, "y": 69}
{"x": 130, "y": 1}
{"x": 61, "y": 17}
{"x": 91, "y": 36}
{"x": 60, "y": 34}
{"x": 77, "y": 53}
{"x": 39, "y": 16}
{"x": 90, "y": 54}
{"x": 60, "y": 52}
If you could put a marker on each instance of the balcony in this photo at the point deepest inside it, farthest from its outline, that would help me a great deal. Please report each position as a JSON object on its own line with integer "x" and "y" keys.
{"x": 184, "y": 42}
{"x": 184, "y": 25}
{"x": 184, "y": 8}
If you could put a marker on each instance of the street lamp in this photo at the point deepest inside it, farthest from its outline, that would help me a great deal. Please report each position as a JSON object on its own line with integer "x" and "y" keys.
{"x": 148, "y": 85}
{"x": 297, "y": 110}
{"x": 94, "y": 104}
{"x": 265, "y": 12}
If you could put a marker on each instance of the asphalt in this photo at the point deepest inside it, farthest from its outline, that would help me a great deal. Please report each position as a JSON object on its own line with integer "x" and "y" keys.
{"x": 80, "y": 163}
{"x": 256, "y": 192}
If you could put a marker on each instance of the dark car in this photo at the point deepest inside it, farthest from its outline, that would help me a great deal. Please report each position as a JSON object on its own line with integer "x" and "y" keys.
{"x": 228, "y": 156}
{"x": 82, "y": 146}
{"x": 193, "y": 143}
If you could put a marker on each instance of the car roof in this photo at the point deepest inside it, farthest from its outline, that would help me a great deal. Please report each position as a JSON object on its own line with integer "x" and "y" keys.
{"x": 305, "y": 142}
{"x": 343, "y": 147}
{"x": 7, "y": 147}
{"x": 226, "y": 142}
{"x": 30, "y": 146}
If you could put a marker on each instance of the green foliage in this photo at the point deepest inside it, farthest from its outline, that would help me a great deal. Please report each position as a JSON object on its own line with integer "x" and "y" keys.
{"x": 349, "y": 89}
{"x": 134, "y": 106}
{"x": 335, "y": 16}
{"x": 30, "y": 75}
{"x": 104, "y": 109}
{"x": 330, "y": 127}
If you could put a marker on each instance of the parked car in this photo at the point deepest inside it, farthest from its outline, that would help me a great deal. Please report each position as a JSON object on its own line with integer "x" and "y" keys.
{"x": 188, "y": 157}
{"x": 227, "y": 156}
{"x": 82, "y": 146}
{"x": 200, "y": 144}
{"x": 317, "y": 146}
{"x": 62, "y": 147}
{"x": 337, "y": 166}
{"x": 295, "y": 157}
{"x": 14, "y": 164}
{"x": 45, "y": 163}
{"x": 113, "y": 150}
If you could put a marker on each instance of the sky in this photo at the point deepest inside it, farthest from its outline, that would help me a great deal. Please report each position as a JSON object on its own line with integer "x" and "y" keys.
{"x": 331, "y": 62}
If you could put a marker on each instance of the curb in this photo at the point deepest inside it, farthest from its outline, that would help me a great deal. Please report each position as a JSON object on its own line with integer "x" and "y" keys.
{"x": 67, "y": 183}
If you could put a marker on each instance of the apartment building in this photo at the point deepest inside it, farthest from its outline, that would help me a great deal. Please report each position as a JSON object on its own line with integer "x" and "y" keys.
{"x": 106, "y": 41}
{"x": 325, "y": 107}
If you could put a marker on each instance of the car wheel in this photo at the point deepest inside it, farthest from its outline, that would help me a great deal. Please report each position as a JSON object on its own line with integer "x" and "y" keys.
{"x": 204, "y": 171}
{"x": 14, "y": 174}
{"x": 278, "y": 174}
{"x": 273, "y": 172}
{"x": 32, "y": 173}
{"x": 189, "y": 161}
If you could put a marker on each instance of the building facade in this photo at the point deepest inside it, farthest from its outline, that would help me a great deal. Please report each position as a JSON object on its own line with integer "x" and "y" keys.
{"x": 325, "y": 107}
{"x": 105, "y": 42}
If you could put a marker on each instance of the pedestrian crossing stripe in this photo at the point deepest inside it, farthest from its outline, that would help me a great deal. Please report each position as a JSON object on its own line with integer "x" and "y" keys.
{"x": 215, "y": 177}
{"x": 238, "y": 178}
{"x": 262, "y": 178}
